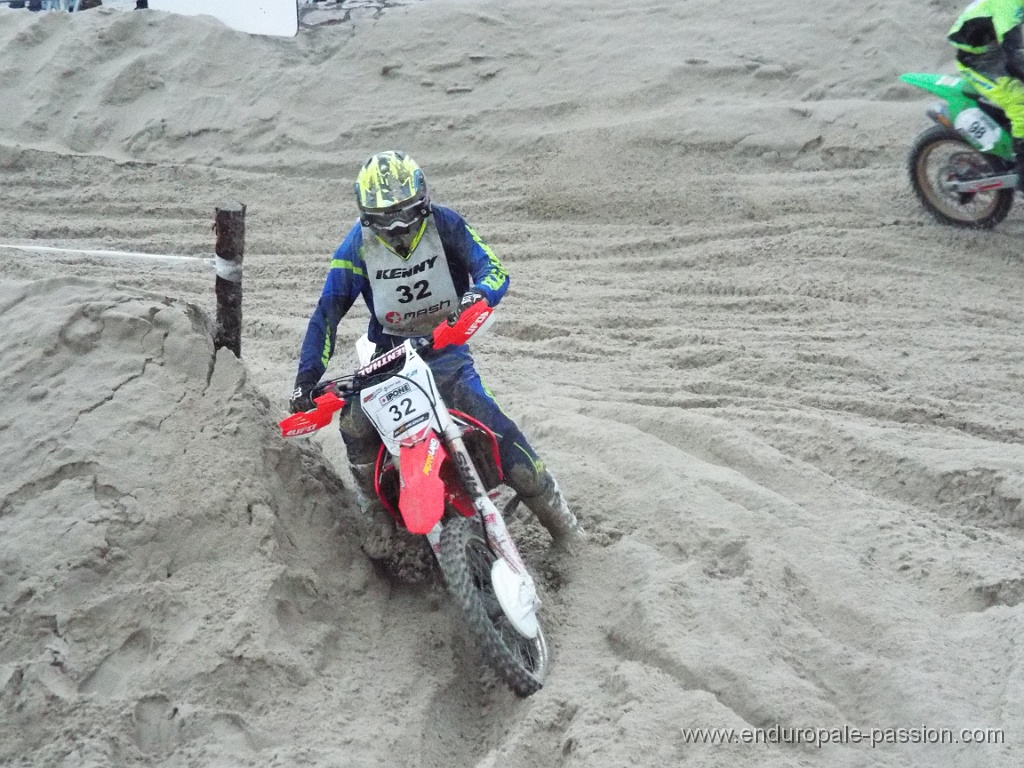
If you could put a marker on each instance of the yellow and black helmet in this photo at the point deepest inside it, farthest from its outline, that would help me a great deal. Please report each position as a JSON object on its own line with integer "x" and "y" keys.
{"x": 391, "y": 193}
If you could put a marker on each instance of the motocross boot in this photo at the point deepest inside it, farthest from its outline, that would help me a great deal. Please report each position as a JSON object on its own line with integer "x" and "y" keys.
{"x": 554, "y": 514}
{"x": 1018, "y": 151}
{"x": 379, "y": 525}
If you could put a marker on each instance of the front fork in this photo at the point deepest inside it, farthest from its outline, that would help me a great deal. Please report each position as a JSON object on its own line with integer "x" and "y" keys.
{"x": 513, "y": 585}
{"x": 494, "y": 524}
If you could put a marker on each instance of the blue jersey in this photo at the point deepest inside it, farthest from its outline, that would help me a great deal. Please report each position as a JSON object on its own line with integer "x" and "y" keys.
{"x": 470, "y": 262}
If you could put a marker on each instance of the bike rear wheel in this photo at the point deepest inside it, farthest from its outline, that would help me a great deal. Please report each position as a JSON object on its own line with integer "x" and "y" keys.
{"x": 940, "y": 156}
{"x": 466, "y": 559}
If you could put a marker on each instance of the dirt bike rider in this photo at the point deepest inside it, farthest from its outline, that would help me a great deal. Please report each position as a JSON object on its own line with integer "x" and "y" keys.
{"x": 989, "y": 40}
{"x": 415, "y": 263}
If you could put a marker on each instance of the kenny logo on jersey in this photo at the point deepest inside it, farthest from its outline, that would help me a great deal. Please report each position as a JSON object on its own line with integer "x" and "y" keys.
{"x": 391, "y": 274}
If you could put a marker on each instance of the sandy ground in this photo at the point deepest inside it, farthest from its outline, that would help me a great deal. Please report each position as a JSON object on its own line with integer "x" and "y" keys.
{"x": 785, "y": 402}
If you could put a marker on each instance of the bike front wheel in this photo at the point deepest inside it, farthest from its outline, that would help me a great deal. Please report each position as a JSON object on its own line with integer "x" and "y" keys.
{"x": 466, "y": 560}
{"x": 940, "y": 156}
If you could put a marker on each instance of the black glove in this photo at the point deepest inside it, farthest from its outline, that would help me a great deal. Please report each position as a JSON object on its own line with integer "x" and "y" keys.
{"x": 469, "y": 298}
{"x": 302, "y": 397}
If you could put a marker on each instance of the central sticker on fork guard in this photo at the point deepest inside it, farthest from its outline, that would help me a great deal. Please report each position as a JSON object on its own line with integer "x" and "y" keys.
{"x": 421, "y": 497}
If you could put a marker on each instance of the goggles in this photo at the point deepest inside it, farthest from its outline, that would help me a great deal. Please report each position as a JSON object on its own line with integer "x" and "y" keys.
{"x": 402, "y": 217}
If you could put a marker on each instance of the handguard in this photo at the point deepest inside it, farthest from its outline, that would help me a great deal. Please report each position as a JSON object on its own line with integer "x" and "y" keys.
{"x": 470, "y": 321}
{"x": 304, "y": 423}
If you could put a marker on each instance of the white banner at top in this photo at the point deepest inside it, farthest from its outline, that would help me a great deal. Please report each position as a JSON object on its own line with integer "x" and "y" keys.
{"x": 257, "y": 17}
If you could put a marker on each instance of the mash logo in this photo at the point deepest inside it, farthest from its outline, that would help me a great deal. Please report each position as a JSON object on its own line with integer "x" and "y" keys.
{"x": 428, "y": 465}
{"x": 440, "y": 306}
{"x": 397, "y": 318}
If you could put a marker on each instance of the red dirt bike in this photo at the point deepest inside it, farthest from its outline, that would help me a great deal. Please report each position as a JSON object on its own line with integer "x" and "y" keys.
{"x": 438, "y": 473}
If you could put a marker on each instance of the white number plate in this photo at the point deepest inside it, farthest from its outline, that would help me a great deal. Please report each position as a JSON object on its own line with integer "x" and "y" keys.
{"x": 402, "y": 405}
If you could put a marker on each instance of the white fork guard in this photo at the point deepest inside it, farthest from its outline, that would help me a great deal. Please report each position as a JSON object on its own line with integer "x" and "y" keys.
{"x": 517, "y": 595}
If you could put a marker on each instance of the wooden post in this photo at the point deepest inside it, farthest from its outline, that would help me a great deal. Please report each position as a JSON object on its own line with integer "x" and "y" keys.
{"x": 229, "y": 225}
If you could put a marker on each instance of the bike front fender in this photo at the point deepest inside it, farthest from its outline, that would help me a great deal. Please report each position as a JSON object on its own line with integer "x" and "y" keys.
{"x": 421, "y": 492}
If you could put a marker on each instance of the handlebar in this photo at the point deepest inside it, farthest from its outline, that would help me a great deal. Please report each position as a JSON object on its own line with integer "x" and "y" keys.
{"x": 443, "y": 335}
{"x": 330, "y": 395}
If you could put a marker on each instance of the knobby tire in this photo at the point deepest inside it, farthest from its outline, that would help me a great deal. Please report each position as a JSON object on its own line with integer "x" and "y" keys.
{"x": 464, "y": 551}
{"x": 965, "y": 213}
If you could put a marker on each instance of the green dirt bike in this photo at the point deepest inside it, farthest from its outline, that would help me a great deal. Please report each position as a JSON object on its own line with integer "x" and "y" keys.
{"x": 963, "y": 168}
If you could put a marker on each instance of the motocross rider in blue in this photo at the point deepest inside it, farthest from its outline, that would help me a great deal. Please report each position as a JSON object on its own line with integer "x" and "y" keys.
{"x": 415, "y": 264}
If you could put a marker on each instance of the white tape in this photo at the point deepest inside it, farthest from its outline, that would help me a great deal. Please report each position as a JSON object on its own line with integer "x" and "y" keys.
{"x": 106, "y": 254}
{"x": 228, "y": 270}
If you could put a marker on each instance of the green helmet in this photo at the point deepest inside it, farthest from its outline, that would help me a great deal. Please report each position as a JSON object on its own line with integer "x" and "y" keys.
{"x": 391, "y": 193}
